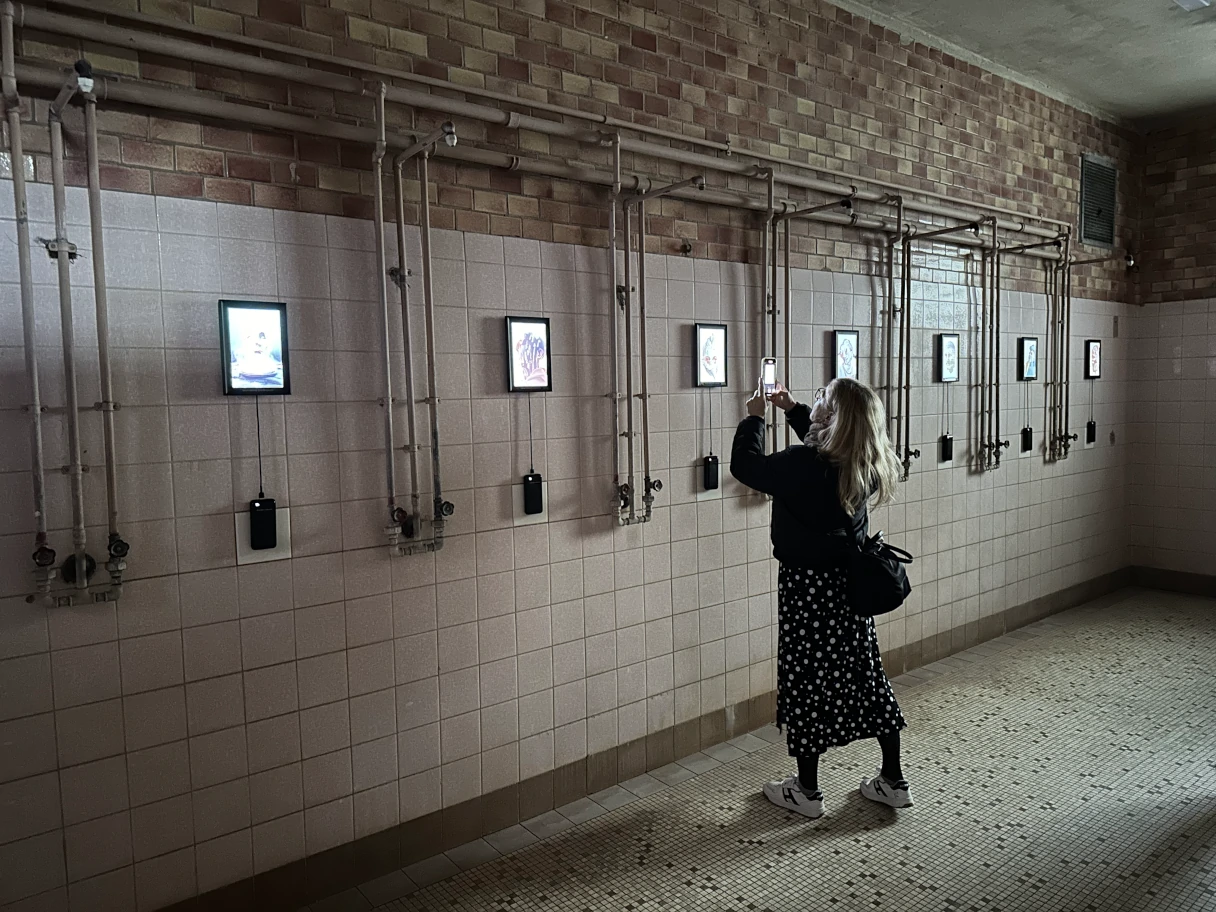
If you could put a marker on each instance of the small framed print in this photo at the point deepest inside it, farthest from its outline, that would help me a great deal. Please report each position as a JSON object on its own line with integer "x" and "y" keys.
{"x": 529, "y": 360}
{"x": 1028, "y": 358}
{"x": 253, "y": 342}
{"x": 847, "y": 342}
{"x": 710, "y": 367}
{"x": 947, "y": 357}
{"x": 1093, "y": 359}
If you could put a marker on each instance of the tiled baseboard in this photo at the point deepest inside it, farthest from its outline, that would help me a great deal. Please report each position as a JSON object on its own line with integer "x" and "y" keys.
{"x": 1174, "y": 581}
{"x": 318, "y": 876}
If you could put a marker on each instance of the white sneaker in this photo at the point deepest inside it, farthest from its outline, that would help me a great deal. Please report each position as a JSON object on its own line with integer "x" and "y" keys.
{"x": 788, "y": 794}
{"x": 883, "y": 791}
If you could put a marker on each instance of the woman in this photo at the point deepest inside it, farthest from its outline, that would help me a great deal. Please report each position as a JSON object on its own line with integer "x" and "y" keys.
{"x": 831, "y": 687}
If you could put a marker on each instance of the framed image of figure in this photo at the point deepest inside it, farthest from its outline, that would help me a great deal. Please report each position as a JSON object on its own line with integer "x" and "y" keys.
{"x": 709, "y": 349}
{"x": 947, "y": 357}
{"x": 1093, "y": 359}
{"x": 529, "y": 360}
{"x": 1028, "y": 358}
{"x": 847, "y": 343}
{"x": 253, "y": 343}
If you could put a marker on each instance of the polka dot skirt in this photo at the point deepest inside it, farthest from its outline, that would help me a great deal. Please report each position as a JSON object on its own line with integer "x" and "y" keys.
{"x": 831, "y": 687}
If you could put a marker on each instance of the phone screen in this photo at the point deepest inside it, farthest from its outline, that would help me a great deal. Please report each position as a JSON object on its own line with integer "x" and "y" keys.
{"x": 768, "y": 376}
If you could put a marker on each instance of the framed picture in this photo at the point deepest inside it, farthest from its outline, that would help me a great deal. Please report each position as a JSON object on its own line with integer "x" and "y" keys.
{"x": 710, "y": 351}
{"x": 1093, "y": 359}
{"x": 1028, "y": 358}
{"x": 947, "y": 357}
{"x": 254, "y": 354}
{"x": 529, "y": 360}
{"x": 847, "y": 355}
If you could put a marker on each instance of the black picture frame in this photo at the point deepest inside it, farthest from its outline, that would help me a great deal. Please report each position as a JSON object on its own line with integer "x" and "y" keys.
{"x": 948, "y": 370}
{"x": 699, "y": 376}
{"x": 841, "y": 339}
{"x": 517, "y": 370}
{"x": 1028, "y": 367}
{"x": 236, "y": 384}
{"x": 1093, "y": 366}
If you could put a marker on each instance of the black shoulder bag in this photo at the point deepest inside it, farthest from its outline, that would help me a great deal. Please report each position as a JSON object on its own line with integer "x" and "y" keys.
{"x": 877, "y": 580}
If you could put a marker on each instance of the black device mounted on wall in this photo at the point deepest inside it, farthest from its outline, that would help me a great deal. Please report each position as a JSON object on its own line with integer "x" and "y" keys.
{"x": 711, "y": 472}
{"x": 1091, "y": 432}
{"x": 947, "y": 447}
{"x": 534, "y": 498}
{"x": 1027, "y": 439}
{"x": 263, "y": 526}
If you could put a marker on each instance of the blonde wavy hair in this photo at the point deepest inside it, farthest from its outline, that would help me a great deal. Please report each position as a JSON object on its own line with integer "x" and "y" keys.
{"x": 855, "y": 440}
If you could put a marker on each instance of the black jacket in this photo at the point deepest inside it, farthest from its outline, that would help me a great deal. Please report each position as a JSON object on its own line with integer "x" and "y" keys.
{"x": 803, "y": 484}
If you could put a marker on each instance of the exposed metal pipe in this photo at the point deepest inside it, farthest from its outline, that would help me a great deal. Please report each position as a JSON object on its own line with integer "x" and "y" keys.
{"x": 998, "y": 443}
{"x": 401, "y": 277}
{"x": 908, "y": 453}
{"x": 649, "y": 484}
{"x": 95, "y": 31}
{"x": 43, "y": 555}
{"x": 1066, "y": 266}
{"x": 789, "y": 306}
{"x": 116, "y": 547}
{"x": 892, "y": 309}
{"x": 775, "y": 246}
{"x": 75, "y": 469}
{"x": 395, "y": 514}
{"x": 766, "y": 255}
{"x": 209, "y": 107}
{"x": 845, "y": 204}
{"x": 615, "y": 302}
{"x": 442, "y": 509}
{"x": 697, "y": 183}
{"x": 445, "y": 131}
{"x": 630, "y": 491}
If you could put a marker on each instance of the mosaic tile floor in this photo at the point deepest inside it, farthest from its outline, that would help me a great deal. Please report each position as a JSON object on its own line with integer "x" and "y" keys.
{"x": 1068, "y": 766}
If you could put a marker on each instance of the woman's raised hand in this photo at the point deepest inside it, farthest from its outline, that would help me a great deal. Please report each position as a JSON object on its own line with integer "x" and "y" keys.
{"x": 757, "y": 405}
{"x": 782, "y": 398}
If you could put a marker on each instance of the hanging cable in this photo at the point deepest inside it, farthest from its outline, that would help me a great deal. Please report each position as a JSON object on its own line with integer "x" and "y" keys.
{"x": 258, "y": 415}
{"x": 531, "y": 453}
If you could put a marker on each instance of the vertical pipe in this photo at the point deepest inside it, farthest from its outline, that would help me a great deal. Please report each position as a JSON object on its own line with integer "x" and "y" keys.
{"x": 390, "y": 462}
{"x": 1067, "y": 289}
{"x": 28, "y": 322}
{"x": 775, "y": 228}
{"x": 891, "y": 310}
{"x": 614, "y": 316}
{"x": 764, "y": 271}
{"x": 407, "y": 339}
{"x": 789, "y": 306}
{"x": 907, "y": 407}
{"x": 428, "y": 298}
{"x": 72, "y": 405}
{"x": 986, "y": 359}
{"x": 644, "y": 395}
{"x": 117, "y": 547}
{"x": 905, "y": 311}
{"x": 1053, "y": 348}
{"x": 996, "y": 335}
{"x": 629, "y": 362}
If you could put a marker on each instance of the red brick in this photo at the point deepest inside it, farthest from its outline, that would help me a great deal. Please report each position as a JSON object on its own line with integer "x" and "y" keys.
{"x": 221, "y": 138}
{"x": 186, "y": 185}
{"x": 276, "y": 144}
{"x": 132, "y": 180}
{"x": 200, "y": 161}
{"x": 285, "y": 11}
{"x": 227, "y": 191}
{"x": 246, "y": 167}
{"x": 149, "y": 155}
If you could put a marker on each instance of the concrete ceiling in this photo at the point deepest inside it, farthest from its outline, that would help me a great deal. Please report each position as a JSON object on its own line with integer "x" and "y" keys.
{"x": 1130, "y": 59}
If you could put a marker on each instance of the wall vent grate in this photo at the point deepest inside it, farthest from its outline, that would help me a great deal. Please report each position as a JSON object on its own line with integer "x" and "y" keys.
{"x": 1099, "y": 183}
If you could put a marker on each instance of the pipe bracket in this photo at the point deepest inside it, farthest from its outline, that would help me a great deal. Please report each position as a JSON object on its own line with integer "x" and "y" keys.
{"x": 106, "y": 406}
{"x": 55, "y": 246}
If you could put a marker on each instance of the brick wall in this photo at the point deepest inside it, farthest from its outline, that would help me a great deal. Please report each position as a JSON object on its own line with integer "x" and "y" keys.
{"x": 1179, "y": 213}
{"x": 800, "y": 79}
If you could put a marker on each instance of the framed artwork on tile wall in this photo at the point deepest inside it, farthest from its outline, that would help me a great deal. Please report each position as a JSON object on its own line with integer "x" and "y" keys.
{"x": 847, "y": 343}
{"x": 1093, "y": 359}
{"x": 254, "y": 353}
{"x": 710, "y": 367}
{"x": 529, "y": 359}
{"x": 1028, "y": 358}
{"x": 948, "y": 357}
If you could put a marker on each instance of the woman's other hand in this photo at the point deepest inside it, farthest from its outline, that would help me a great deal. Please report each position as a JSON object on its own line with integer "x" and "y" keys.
{"x": 757, "y": 405}
{"x": 782, "y": 399}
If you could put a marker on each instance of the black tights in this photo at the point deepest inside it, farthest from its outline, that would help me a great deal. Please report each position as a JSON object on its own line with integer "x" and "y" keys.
{"x": 808, "y": 767}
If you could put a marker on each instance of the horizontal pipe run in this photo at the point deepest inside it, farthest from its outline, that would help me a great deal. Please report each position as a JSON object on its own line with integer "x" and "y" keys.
{"x": 845, "y": 204}
{"x": 1058, "y": 243}
{"x": 106, "y": 89}
{"x": 446, "y": 132}
{"x": 942, "y": 233}
{"x": 697, "y": 183}
{"x": 94, "y": 31}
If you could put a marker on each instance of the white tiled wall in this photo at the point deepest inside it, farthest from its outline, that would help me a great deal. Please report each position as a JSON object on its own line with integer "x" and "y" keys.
{"x": 1172, "y": 392}
{"x": 223, "y": 720}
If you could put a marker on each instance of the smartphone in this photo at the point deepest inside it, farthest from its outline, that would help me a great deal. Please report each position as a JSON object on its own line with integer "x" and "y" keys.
{"x": 768, "y": 376}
